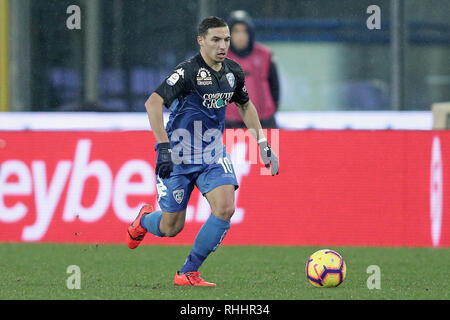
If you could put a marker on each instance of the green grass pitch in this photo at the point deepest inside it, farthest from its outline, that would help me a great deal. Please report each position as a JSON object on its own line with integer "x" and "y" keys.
{"x": 39, "y": 271}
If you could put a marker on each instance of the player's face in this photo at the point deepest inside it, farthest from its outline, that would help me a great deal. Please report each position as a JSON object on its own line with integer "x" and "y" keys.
{"x": 239, "y": 36}
{"x": 215, "y": 44}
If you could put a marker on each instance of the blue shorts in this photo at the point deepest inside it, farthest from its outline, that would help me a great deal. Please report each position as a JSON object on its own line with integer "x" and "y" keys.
{"x": 174, "y": 192}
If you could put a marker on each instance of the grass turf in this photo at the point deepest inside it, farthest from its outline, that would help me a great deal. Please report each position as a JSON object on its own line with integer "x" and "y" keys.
{"x": 38, "y": 271}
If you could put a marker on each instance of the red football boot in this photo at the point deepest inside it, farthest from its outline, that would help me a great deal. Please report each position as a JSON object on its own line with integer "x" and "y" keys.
{"x": 136, "y": 232}
{"x": 191, "y": 278}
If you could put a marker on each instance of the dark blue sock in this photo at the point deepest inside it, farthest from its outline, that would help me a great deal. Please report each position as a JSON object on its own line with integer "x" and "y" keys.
{"x": 193, "y": 262}
{"x": 208, "y": 239}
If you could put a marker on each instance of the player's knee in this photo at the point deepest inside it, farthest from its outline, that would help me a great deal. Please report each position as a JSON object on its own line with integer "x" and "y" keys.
{"x": 225, "y": 212}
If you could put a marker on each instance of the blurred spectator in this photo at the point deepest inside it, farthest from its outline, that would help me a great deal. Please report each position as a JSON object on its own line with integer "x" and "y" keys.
{"x": 261, "y": 78}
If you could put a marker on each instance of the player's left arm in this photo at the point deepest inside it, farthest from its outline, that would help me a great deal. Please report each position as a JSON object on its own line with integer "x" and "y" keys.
{"x": 251, "y": 119}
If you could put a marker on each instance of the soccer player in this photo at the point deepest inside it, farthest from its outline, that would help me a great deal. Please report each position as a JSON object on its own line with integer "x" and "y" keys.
{"x": 190, "y": 151}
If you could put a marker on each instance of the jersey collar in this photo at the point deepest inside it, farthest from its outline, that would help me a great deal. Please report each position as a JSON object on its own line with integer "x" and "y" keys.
{"x": 202, "y": 62}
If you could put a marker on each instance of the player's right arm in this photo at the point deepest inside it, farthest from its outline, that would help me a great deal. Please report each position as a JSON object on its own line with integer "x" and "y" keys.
{"x": 172, "y": 88}
{"x": 164, "y": 164}
{"x": 154, "y": 107}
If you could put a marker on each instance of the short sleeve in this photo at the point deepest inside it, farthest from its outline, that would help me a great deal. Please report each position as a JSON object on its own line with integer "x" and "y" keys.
{"x": 174, "y": 86}
{"x": 240, "y": 95}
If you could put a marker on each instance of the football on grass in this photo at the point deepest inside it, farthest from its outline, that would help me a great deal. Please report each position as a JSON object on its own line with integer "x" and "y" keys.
{"x": 325, "y": 268}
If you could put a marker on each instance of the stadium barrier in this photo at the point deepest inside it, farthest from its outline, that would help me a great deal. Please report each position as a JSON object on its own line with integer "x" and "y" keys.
{"x": 292, "y": 120}
{"x": 441, "y": 115}
{"x": 362, "y": 188}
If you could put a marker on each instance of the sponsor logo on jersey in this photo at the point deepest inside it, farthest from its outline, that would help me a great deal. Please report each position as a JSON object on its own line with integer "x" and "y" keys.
{"x": 161, "y": 188}
{"x": 173, "y": 79}
{"x": 180, "y": 71}
{"x": 217, "y": 100}
{"x": 203, "y": 77}
{"x": 230, "y": 78}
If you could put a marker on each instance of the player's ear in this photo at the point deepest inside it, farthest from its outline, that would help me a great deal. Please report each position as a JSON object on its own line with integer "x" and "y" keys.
{"x": 200, "y": 40}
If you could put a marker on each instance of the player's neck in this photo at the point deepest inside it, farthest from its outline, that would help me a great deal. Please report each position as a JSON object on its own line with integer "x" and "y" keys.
{"x": 216, "y": 66}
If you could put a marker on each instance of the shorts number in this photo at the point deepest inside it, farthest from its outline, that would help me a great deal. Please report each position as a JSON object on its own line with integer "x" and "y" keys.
{"x": 226, "y": 164}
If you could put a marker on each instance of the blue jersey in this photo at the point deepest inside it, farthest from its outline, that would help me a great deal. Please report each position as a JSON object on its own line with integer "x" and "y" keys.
{"x": 198, "y": 96}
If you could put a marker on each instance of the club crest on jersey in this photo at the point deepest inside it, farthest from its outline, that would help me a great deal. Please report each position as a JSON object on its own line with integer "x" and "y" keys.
{"x": 178, "y": 195}
{"x": 230, "y": 78}
{"x": 203, "y": 77}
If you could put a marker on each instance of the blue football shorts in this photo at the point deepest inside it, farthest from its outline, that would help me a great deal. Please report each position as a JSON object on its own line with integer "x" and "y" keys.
{"x": 174, "y": 192}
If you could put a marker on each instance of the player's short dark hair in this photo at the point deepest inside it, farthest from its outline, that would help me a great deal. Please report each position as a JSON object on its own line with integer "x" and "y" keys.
{"x": 210, "y": 22}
